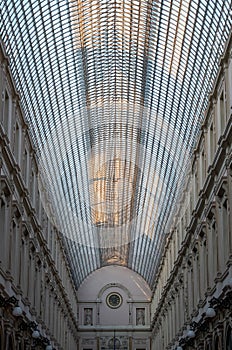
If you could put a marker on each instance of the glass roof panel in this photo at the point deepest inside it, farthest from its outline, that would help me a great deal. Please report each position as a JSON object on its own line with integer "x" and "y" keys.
{"x": 114, "y": 92}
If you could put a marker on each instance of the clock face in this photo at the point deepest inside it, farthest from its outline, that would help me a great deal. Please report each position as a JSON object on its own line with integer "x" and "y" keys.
{"x": 114, "y": 300}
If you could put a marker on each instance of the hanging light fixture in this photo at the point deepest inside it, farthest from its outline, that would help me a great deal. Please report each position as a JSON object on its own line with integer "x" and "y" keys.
{"x": 17, "y": 311}
{"x": 191, "y": 333}
{"x": 35, "y": 334}
{"x": 210, "y": 312}
{"x": 5, "y": 302}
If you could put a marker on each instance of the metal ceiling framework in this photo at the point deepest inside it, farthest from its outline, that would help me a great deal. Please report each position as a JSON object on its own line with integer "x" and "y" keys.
{"x": 114, "y": 92}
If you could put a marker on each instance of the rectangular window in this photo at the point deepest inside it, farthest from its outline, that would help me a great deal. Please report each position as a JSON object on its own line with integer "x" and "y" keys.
{"x": 211, "y": 142}
{"x": 203, "y": 167}
{"x": 25, "y": 165}
{"x": 6, "y": 111}
{"x": 16, "y": 145}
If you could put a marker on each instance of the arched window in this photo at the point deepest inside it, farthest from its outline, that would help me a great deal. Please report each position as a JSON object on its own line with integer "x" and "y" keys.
{"x": 114, "y": 343}
{"x": 229, "y": 339}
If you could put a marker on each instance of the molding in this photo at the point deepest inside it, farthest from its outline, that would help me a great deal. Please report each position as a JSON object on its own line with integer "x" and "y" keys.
{"x": 113, "y": 285}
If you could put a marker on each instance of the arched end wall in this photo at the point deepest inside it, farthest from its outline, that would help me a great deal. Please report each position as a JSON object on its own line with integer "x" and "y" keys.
{"x": 114, "y": 296}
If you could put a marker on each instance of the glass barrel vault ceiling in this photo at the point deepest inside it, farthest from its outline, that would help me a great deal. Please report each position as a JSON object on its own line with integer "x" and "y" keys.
{"x": 114, "y": 92}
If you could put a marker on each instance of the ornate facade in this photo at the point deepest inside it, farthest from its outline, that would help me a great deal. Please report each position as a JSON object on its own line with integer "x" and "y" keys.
{"x": 192, "y": 302}
{"x": 33, "y": 267}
